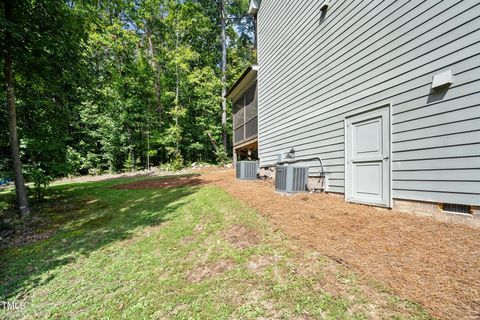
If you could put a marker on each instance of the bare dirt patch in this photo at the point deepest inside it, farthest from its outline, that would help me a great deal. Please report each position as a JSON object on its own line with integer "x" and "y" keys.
{"x": 162, "y": 183}
{"x": 107, "y": 176}
{"x": 21, "y": 237}
{"x": 206, "y": 271}
{"x": 433, "y": 263}
{"x": 258, "y": 264}
{"x": 154, "y": 172}
{"x": 241, "y": 237}
{"x": 187, "y": 240}
{"x": 199, "y": 228}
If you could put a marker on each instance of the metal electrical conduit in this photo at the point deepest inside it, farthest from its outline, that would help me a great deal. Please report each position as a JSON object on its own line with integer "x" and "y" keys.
{"x": 322, "y": 172}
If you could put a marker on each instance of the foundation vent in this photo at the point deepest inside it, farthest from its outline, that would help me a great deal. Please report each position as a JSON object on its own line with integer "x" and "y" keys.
{"x": 457, "y": 208}
{"x": 247, "y": 170}
{"x": 290, "y": 179}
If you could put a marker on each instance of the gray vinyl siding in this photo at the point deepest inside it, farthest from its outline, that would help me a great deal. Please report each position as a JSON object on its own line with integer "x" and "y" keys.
{"x": 362, "y": 54}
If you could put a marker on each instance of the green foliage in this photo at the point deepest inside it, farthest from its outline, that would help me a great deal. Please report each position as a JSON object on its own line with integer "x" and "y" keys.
{"x": 128, "y": 165}
{"x": 222, "y": 156}
{"x": 92, "y": 78}
{"x": 74, "y": 160}
{"x": 40, "y": 179}
{"x": 177, "y": 162}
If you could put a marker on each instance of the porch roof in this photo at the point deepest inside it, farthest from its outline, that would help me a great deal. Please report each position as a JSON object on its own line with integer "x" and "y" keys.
{"x": 243, "y": 82}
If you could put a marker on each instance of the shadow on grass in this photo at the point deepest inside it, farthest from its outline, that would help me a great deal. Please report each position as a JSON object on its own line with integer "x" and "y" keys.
{"x": 85, "y": 218}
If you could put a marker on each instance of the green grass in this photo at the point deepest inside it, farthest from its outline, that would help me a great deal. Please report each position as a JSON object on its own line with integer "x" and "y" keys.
{"x": 155, "y": 254}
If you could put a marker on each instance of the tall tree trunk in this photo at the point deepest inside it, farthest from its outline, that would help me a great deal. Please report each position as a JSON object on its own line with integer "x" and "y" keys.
{"x": 12, "y": 118}
{"x": 157, "y": 69}
{"x": 148, "y": 149}
{"x": 177, "y": 96}
{"x": 177, "y": 83}
{"x": 212, "y": 141}
{"x": 224, "y": 73}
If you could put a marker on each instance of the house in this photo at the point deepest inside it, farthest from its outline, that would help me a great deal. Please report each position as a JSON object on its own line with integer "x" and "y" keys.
{"x": 386, "y": 93}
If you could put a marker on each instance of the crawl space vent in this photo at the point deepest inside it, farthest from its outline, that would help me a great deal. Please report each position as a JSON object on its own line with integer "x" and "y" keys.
{"x": 457, "y": 208}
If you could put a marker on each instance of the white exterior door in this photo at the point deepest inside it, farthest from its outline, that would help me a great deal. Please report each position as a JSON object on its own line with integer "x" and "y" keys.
{"x": 367, "y": 158}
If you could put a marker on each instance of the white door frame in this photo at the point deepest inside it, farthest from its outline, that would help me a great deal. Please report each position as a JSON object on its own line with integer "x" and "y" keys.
{"x": 366, "y": 112}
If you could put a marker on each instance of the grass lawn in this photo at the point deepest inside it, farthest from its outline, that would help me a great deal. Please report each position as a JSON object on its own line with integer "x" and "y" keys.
{"x": 175, "y": 253}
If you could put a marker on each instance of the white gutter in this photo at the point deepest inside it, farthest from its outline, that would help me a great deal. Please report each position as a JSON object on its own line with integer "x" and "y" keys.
{"x": 254, "y": 6}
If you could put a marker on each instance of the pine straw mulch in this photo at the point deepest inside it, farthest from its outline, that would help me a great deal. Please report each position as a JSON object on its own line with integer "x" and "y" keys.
{"x": 434, "y": 263}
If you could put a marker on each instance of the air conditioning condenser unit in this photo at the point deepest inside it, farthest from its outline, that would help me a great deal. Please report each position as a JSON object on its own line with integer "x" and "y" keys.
{"x": 291, "y": 179}
{"x": 247, "y": 170}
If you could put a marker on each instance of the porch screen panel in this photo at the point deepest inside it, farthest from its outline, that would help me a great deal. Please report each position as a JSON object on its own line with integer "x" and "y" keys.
{"x": 251, "y": 103}
{"x": 251, "y": 128}
{"x": 239, "y": 134}
{"x": 238, "y": 112}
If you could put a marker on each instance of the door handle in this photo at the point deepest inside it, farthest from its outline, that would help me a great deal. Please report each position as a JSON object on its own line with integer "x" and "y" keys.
{"x": 386, "y": 158}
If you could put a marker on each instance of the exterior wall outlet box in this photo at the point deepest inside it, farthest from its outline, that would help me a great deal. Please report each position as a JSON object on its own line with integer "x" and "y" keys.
{"x": 324, "y": 6}
{"x": 442, "y": 79}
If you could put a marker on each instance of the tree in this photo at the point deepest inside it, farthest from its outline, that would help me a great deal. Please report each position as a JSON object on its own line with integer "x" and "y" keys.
{"x": 223, "y": 23}
{"x": 236, "y": 13}
{"x": 20, "y": 189}
{"x": 108, "y": 85}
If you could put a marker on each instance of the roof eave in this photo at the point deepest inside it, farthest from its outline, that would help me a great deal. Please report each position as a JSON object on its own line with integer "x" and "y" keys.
{"x": 247, "y": 75}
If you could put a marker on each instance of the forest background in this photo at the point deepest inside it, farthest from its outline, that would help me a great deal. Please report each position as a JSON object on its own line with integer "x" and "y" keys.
{"x": 110, "y": 86}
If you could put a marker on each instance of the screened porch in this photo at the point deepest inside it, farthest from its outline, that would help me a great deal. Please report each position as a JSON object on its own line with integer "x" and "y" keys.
{"x": 245, "y": 116}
